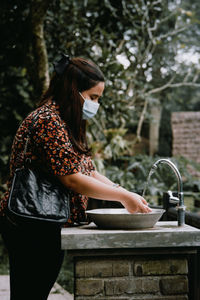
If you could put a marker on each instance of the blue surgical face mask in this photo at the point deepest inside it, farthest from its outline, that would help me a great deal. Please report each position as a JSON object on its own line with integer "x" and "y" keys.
{"x": 90, "y": 108}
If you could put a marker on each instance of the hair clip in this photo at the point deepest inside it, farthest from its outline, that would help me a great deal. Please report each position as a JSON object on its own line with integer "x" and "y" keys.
{"x": 60, "y": 66}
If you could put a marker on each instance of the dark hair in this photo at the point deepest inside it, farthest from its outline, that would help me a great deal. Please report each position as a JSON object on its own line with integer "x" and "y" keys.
{"x": 78, "y": 76}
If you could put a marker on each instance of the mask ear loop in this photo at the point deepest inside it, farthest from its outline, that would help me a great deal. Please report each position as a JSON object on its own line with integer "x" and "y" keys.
{"x": 81, "y": 96}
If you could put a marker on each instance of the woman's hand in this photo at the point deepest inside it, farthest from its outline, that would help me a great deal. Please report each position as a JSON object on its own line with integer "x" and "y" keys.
{"x": 135, "y": 203}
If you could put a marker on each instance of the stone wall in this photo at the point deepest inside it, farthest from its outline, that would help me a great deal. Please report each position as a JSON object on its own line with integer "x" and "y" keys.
{"x": 186, "y": 135}
{"x": 131, "y": 277}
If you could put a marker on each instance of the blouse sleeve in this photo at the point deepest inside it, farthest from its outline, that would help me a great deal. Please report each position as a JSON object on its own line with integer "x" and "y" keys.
{"x": 53, "y": 141}
{"x": 91, "y": 165}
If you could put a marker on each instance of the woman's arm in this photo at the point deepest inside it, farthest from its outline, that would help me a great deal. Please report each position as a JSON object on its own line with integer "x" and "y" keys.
{"x": 91, "y": 187}
{"x": 102, "y": 178}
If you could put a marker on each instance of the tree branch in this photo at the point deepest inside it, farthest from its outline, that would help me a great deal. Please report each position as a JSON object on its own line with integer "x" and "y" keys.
{"x": 172, "y": 33}
{"x": 187, "y": 75}
{"x": 157, "y": 90}
{"x": 156, "y": 2}
{"x": 169, "y": 84}
{"x": 168, "y": 17}
{"x": 179, "y": 84}
{"x": 141, "y": 120}
{"x": 161, "y": 88}
{"x": 196, "y": 76}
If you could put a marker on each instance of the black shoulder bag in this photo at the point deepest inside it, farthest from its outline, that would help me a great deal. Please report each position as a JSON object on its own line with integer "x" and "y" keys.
{"x": 37, "y": 197}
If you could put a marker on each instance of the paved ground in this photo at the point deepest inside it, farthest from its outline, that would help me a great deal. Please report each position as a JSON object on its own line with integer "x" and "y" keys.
{"x": 57, "y": 292}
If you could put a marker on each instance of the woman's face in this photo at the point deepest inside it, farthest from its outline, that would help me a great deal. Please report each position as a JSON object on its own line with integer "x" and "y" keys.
{"x": 95, "y": 92}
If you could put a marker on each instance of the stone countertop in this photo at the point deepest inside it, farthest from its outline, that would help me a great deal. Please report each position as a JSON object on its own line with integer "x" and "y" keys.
{"x": 162, "y": 235}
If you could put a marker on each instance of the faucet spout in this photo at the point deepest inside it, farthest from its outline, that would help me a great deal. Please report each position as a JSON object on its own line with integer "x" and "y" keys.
{"x": 174, "y": 168}
{"x": 179, "y": 200}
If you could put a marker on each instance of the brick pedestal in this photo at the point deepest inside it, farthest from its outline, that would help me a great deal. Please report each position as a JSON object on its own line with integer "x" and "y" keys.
{"x": 131, "y": 277}
{"x": 159, "y": 263}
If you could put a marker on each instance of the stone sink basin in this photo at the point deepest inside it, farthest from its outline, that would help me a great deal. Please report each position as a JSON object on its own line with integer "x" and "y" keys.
{"x": 120, "y": 218}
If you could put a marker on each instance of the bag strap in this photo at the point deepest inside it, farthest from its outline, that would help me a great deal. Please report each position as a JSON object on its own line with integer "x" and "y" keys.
{"x": 29, "y": 135}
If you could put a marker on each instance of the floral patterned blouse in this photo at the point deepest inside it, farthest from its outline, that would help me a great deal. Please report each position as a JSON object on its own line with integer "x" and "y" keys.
{"x": 51, "y": 147}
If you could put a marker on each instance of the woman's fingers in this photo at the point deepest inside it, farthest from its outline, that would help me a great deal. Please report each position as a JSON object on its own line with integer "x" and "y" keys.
{"x": 143, "y": 207}
{"x": 144, "y": 201}
{"x": 147, "y": 209}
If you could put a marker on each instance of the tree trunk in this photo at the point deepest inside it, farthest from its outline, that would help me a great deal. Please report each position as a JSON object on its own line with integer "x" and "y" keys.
{"x": 154, "y": 126}
{"x": 37, "y": 15}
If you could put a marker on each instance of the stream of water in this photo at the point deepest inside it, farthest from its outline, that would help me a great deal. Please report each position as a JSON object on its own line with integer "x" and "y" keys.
{"x": 147, "y": 182}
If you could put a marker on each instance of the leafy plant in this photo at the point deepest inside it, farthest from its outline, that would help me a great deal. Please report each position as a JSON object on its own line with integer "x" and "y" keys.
{"x": 132, "y": 173}
{"x": 66, "y": 277}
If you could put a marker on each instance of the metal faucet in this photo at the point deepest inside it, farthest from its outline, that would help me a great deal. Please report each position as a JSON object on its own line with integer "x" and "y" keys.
{"x": 176, "y": 200}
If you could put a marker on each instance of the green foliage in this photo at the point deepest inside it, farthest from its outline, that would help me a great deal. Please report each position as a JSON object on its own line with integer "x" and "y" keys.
{"x": 143, "y": 33}
{"x": 109, "y": 149}
{"x": 139, "y": 32}
{"x": 132, "y": 173}
{"x": 4, "y": 264}
{"x": 14, "y": 106}
{"x": 65, "y": 277}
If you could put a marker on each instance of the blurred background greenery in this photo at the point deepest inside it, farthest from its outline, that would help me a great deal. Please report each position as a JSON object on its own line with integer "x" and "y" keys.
{"x": 149, "y": 52}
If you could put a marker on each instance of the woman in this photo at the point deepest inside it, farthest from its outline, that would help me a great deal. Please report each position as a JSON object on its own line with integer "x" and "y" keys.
{"x": 58, "y": 144}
